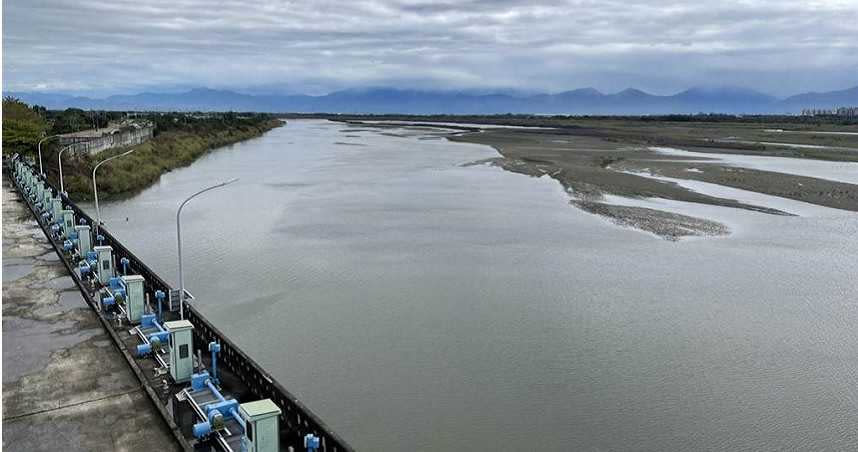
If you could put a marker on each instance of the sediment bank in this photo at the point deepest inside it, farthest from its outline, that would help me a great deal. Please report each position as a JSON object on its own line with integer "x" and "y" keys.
{"x": 614, "y": 157}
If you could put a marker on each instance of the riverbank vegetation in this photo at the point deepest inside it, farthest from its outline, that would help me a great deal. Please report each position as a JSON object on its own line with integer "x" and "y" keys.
{"x": 179, "y": 140}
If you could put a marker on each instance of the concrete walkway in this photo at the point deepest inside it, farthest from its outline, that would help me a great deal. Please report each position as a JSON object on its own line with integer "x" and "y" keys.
{"x": 65, "y": 386}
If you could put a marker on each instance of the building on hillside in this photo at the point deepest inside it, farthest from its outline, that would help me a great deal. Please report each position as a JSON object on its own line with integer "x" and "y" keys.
{"x": 116, "y": 134}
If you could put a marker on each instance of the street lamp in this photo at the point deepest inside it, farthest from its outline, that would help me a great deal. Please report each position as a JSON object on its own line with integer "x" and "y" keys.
{"x": 40, "y": 152}
{"x": 95, "y": 187}
{"x": 179, "y": 241}
{"x": 60, "y": 158}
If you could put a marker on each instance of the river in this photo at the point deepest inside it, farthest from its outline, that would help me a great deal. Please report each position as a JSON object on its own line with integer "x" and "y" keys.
{"x": 416, "y": 303}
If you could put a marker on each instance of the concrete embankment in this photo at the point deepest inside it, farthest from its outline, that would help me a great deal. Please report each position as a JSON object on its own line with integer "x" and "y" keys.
{"x": 65, "y": 385}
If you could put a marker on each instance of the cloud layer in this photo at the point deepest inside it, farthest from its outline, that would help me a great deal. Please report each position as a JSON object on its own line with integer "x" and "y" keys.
{"x": 104, "y": 47}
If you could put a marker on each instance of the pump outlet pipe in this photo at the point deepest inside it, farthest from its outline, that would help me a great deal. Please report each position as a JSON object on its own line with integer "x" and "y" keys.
{"x": 214, "y": 347}
{"x": 160, "y": 295}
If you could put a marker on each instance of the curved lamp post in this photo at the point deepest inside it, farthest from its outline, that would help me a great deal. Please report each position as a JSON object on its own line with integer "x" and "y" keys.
{"x": 95, "y": 187}
{"x": 179, "y": 241}
{"x": 60, "y": 158}
{"x": 40, "y": 152}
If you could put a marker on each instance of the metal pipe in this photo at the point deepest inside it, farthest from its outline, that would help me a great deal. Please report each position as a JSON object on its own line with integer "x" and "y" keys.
{"x": 215, "y": 390}
{"x": 60, "y": 158}
{"x": 214, "y": 348}
{"x": 40, "y": 152}
{"x": 179, "y": 241}
{"x": 159, "y": 295}
{"x": 220, "y": 398}
{"x": 95, "y": 187}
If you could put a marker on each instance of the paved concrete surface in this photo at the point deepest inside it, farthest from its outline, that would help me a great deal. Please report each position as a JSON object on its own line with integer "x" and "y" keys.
{"x": 65, "y": 386}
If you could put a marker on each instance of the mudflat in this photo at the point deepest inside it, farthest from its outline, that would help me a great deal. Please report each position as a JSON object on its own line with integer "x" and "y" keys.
{"x": 599, "y": 160}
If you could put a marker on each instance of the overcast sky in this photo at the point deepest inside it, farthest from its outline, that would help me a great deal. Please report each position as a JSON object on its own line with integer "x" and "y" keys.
{"x": 101, "y": 47}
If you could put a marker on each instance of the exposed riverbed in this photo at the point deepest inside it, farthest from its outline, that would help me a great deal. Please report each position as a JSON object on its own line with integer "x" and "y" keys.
{"x": 416, "y": 302}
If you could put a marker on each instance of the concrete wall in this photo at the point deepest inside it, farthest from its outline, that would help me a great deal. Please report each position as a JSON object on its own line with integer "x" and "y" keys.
{"x": 127, "y": 137}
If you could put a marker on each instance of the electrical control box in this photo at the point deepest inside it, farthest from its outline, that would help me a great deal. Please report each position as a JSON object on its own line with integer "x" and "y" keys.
{"x": 181, "y": 349}
{"x": 56, "y": 209}
{"x": 44, "y": 202}
{"x": 84, "y": 239}
{"x": 67, "y": 217}
{"x": 105, "y": 263}
{"x": 48, "y": 201}
{"x": 134, "y": 297}
{"x": 263, "y": 430}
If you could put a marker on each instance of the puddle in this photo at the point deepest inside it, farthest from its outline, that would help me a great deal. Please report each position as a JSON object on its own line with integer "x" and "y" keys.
{"x": 28, "y": 344}
{"x": 49, "y": 257}
{"x": 16, "y": 271}
{"x": 61, "y": 283}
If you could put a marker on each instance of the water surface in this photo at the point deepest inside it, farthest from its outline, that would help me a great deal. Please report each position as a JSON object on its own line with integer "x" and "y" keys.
{"x": 416, "y": 304}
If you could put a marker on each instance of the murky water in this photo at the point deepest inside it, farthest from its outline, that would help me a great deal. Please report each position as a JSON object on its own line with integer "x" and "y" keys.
{"x": 415, "y": 304}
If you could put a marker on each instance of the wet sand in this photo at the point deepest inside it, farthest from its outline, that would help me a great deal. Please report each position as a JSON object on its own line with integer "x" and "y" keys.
{"x": 590, "y": 167}
{"x": 612, "y": 159}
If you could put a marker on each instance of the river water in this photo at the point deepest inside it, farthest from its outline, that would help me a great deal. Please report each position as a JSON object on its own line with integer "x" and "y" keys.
{"x": 418, "y": 304}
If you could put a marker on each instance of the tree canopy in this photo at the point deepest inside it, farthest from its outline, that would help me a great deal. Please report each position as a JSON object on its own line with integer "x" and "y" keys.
{"x": 22, "y": 126}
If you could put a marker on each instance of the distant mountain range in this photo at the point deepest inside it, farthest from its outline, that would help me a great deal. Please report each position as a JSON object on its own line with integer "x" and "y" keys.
{"x": 388, "y": 100}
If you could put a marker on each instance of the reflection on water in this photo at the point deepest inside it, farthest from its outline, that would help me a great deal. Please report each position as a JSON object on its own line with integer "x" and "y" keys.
{"x": 417, "y": 304}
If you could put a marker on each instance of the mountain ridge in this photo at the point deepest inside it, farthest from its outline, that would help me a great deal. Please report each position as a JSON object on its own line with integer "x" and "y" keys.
{"x": 381, "y": 100}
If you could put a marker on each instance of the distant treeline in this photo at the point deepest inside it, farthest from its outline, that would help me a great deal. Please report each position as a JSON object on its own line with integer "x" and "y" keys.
{"x": 564, "y": 120}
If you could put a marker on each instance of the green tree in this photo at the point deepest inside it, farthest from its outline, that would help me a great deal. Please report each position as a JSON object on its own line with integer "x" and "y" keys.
{"x": 22, "y": 127}
{"x": 71, "y": 120}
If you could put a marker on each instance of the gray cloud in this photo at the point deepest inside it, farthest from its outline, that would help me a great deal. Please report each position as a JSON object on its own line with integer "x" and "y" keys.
{"x": 99, "y": 47}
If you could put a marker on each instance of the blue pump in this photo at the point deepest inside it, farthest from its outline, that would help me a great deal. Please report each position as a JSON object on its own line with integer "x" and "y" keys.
{"x": 161, "y": 336}
{"x": 311, "y": 442}
{"x": 118, "y": 288}
{"x": 214, "y": 411}
{"x": 84, "y": 268}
